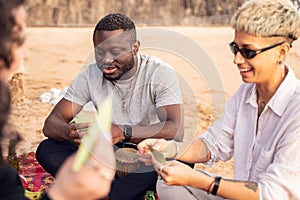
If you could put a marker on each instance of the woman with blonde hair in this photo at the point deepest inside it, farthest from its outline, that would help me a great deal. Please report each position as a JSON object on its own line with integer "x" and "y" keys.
{"x": 260, "y": 126}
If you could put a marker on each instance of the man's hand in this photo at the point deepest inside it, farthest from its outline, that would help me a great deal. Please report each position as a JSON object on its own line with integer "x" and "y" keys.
{"x": 76, "y": 131}
{"x": 117, "y": 133}
{"x": 160, "y": 145}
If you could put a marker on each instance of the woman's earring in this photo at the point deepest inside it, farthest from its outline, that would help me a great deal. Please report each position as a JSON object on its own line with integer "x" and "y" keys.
{"x": 282, "y": 67}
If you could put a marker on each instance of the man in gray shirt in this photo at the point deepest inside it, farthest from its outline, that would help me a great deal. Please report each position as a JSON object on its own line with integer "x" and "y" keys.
{"x": 147, "y": 103}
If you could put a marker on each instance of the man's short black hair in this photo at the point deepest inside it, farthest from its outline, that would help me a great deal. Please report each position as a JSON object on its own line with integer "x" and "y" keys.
{"x": 116, "y": 21}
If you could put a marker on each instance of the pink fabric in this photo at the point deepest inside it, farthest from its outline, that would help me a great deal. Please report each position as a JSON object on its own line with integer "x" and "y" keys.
{"x": 38, "y": 179}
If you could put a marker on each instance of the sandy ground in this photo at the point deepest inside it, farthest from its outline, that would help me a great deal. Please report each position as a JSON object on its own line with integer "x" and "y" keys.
{"x": 200, "y": 55}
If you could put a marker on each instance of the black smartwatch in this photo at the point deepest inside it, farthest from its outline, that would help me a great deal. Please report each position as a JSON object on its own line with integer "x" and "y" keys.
{"x": 127, "y": 132}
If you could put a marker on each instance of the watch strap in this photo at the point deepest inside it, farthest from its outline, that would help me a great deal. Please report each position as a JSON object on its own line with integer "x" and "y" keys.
{"x": 216, "y": 185}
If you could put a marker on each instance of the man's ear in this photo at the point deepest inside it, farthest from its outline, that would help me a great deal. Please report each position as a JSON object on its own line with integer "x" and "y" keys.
{"x": 135, "y": 47}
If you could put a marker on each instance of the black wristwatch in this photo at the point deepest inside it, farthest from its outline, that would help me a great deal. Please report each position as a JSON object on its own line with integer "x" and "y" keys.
{"x": 127, "y": 132}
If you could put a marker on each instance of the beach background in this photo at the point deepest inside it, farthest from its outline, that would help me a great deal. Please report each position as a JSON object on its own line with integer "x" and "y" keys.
{"x": 199, "y": 53}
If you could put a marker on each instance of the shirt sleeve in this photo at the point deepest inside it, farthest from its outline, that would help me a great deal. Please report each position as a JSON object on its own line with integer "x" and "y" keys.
{"x": 166, "y": 87}
{"x": 219, "y": 138}
{"x": 78, "y": 91}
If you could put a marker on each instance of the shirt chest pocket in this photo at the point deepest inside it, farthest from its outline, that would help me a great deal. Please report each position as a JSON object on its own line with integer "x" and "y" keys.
{"x": 264, "y": 160}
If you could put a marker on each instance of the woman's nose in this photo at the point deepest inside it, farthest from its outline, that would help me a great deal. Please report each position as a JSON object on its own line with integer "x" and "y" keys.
{"x": 238, "y": 58}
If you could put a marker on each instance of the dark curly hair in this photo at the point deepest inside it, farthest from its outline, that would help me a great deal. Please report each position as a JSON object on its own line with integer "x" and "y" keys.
{"x": 116, "y": 21}
{"x": 5, "y": 100}
{"x": 10, "y": 34}
{"x": 4, "y": 105}
{"x": 10, "y": 31}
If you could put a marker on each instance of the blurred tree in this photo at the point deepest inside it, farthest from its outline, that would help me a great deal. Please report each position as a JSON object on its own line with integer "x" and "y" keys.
{"x": 151, "y": 12}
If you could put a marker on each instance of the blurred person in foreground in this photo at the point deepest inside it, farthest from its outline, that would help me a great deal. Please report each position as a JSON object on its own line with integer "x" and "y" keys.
{"x": 260, "y": 126}
{"x": 68, "y": 184}
{"x": 147, "y": 103}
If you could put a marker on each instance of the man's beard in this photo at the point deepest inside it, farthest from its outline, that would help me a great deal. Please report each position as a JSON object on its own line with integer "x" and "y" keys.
{"x": 126, "y": 68}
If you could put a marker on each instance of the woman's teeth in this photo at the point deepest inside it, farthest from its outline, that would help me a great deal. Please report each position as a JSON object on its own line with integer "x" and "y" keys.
{"x": 245, "y": 70}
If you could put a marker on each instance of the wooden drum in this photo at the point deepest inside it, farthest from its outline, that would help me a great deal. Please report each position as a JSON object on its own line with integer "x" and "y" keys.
{"x": 127, "y": 161}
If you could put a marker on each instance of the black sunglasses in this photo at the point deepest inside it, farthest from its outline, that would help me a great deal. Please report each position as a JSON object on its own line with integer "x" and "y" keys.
{"x": 248, "y": 53}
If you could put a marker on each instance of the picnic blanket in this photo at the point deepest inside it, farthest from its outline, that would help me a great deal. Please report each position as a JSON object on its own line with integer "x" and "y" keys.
{"x": 38, "y": 179}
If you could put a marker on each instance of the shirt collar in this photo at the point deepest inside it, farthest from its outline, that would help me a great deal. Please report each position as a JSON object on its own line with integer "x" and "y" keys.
{"x": 282, "y": 96}
{"x": 252, "y": 96}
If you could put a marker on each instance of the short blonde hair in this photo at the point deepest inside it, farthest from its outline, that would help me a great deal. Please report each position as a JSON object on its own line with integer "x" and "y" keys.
{"x": 268, "y": 18}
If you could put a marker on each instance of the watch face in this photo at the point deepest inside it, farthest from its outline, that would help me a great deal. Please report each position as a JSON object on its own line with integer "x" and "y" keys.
{"x": 127, "y": 132}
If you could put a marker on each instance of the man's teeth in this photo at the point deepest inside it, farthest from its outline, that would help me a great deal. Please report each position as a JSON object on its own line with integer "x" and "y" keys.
{"x": 245, "y": 70}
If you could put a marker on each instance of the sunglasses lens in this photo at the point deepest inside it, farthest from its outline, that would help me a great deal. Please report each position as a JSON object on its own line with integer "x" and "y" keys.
{"x": 233, "y": 48}
{"x": 248, "y": 53}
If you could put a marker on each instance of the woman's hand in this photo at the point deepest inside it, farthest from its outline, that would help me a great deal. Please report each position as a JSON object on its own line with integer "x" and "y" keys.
{"x": 88, "y": 183}
{"x": 176, "y": 173}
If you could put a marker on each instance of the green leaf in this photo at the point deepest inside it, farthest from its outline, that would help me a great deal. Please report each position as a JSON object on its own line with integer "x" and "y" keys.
{"x": 158, "y": 156}
{"x": 100, "y": 126}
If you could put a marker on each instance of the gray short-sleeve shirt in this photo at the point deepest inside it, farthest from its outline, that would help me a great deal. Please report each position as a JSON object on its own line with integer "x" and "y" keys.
{"x": 154, "y": 85}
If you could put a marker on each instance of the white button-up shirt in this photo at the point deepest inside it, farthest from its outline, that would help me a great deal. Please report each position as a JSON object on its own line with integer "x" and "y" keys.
{"x": 266, "y": 150}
